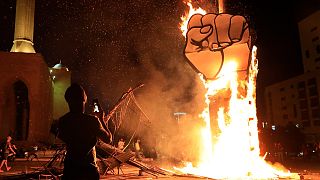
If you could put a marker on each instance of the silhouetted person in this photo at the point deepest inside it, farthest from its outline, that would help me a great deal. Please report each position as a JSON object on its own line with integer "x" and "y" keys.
{"x": 121, "y": 144}
{"x": 80, "y": 132}
{"x": 137, "y": 149}
{"x": 7, "y": 151}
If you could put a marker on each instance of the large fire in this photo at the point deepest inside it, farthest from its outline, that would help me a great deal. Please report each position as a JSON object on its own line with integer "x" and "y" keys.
{"x": 233, "y": 150}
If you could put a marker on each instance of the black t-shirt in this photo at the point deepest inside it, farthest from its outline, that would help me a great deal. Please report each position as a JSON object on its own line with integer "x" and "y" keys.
{"x": 79, "y": 131}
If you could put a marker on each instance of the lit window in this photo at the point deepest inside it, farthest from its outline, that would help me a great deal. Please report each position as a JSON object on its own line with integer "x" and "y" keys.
{"x": 264, "y": 124}
{"x": 273, "y": 127}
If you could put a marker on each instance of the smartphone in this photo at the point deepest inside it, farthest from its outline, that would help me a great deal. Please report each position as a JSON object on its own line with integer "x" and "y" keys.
{"x": 96, "y": 106}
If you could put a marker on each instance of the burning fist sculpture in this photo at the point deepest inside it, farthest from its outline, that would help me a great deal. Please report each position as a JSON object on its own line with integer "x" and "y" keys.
{"x": 212, "y": 40}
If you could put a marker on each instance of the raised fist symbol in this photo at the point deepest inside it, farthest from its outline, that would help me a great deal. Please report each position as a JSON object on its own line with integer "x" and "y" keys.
{"x": 212, "y": 40}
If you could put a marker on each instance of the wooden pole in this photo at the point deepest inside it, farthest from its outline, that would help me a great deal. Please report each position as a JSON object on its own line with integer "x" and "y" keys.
{"x": 221, "y": 6}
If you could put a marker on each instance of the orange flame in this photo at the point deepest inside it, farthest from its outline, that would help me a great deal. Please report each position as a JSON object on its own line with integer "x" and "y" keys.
{"x": 187, "y": 16}
{"x": 234, "y": 152}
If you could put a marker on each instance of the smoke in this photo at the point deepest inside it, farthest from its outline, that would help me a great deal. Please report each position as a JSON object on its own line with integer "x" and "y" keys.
{"x": 171, "y": 85}
{"x": 149, "y": 50}
{"x": 175, "y": 88}
{"x": 112, "y": 46}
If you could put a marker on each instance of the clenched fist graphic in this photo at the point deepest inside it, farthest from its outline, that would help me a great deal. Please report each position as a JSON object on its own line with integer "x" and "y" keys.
{"x": 213, "y": 40}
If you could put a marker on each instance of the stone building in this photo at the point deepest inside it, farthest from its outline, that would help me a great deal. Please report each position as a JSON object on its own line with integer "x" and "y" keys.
{"x": 30, "y": 94}
{"x": 25, "y": 96}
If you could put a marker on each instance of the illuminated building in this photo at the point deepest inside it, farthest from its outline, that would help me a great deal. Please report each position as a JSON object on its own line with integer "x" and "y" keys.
{"x": 296, "y": 100}
{"x": 61, "y": 80}
{"x": 25, "y": 96}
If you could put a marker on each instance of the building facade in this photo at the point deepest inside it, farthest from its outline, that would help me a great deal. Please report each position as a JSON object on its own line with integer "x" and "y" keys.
{"x": 309, "y": 29}
{"x": 296, "y": 100}
{"x": 61, "y": 80}
{"x": 25, "y": 96}
{"x": 31, "y": 94}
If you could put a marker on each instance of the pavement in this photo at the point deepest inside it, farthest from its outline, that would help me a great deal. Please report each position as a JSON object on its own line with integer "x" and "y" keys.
{"x": 306, "y": 169}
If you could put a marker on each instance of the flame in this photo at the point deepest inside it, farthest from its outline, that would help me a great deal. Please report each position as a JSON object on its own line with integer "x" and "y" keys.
{"x": 233, "y": 151}
{"x": 187, "y": 16}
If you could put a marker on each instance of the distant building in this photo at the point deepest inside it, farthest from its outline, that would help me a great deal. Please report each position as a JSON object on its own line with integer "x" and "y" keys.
{"x": 296, "y": 100}
{"x": 61, "y": 80}
{"x": 25, "y": 96}
{"x": 309, "y": 29}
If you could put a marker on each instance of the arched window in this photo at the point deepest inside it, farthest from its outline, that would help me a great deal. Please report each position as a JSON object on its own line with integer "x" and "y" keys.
{"x": 22, "y": 110}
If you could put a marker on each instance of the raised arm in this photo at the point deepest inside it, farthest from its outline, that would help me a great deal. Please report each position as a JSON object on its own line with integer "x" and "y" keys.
{"x": 102, "y": 133}
{"x": 104, "y": 136}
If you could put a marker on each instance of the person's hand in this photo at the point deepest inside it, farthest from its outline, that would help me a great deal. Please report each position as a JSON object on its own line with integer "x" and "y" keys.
{"x": 212, "y": 38}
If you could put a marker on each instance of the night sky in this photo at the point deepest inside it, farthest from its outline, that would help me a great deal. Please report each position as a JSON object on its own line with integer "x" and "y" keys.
{"x": 112, "y": 45}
